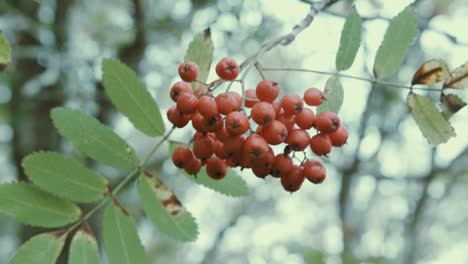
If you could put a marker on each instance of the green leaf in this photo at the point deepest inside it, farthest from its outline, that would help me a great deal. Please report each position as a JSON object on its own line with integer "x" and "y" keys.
{"x": 120, "y": 237}
{"x": 200, "y": 51}
{"x": 349, "y": 41}
{"x": 431, "y": 122}
{"x": 40, "y": 249}
{"x": 398, "y": 37}
{"x": 129, "y": 96}
{"x": 30, "y": 205}
{"x": 5, "y": 52}
{"x": 458, "y": 78}
{"x": 64, "y": 177}
{"x": 333, "y": 96}
{"x": 431, "y": 71}
{"x": 165, "y": 210}
{"x": 451, "y": 104}
{"x": 94, "y": 139}
{"x": 84, "y": 248}
{"x": 231, "y": 185}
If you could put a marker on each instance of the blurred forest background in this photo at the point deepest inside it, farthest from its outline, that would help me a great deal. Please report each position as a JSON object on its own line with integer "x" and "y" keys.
{"x": 389, "y": 197}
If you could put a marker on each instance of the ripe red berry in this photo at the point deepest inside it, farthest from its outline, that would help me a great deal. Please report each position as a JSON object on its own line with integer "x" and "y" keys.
{"x": 188, "y": 71}
{"x": 187, "y": 103}
{"x": 298, "y": 139}
{"x": 261, "y": 171}
{"x": 236, "y": 123}
{"x": 327, "y": 122}
{"x": 207, "y": 106}
{"x": 203, "y": 147}
{"x": 293, "y": 180}
{"x": 281, "y": 165}
{"x": 226, "y": 103}
{"x": 320, "y": 144}
{"x": 255, "y": 147}
{"x": 313, "y": 97}
{"x": 277, "y": 105}
{"x": 263, "y": 113}
{"x": 233, "y": 145}
{"x": 181, "y": 156}
{"x": 292, "y": 104}
{"x": 193, "y": 166}
{"x": 177, "y": 118}
{"x": 287, "y": 120}
{"x": 202, "y": 90}
{"x": 267, "y": 90}
{"x": 339, "y": 137}
{"x": 314, "y": 171}
{"x": 275, "y": 133}
{"x": 227, "y": 69}
{"x": 222, "y": 134}
{"x": 212, "y": 124}
{"x": 305, "y": 119}
{"x": 179, "y": 88}
{"x": 219, "y": 150}
{"x": 250, "y": 98}
{"x": 197, "y": 122}
{"x": 216, "y": 168}
{"x": 237, "y": 97}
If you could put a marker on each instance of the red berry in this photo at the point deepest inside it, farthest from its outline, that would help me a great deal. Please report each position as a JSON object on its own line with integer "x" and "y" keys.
{"x": 203, "y": 147}
{"x": 193, "y": 166}
{"x": 226, "y": 103}
{"x": 233, "y": 145}
{"x": 188, "y": 71}
{"x": 236, "y": 123}
{"x": 320, "y": 144}
{"x": 314, "y": 171}
{"x": 287, "y": 120}
{"x": 267, "y": 90}
{"x": 339, "y": 137}
{"x": 250, "y": 98}
{"x": 177, "y": 118}
{"x": 187, "y": 103}
{"x": 327, "y": 122}
{"x": 216, "y": 168}
{"x": 181, "y": 156}
{"x": 227, "y": 69}
{"x": 298, "y": 139}
{"x": 222, "y": 134}
{"x": 292, "y": 181}
{"x": 197, "y": 122}
{"x": 179, "y": 88}
{"x": 313, "y": 97}
{"x": 256, "y": 147}
{"x": 219, "y": 150}
{"x": 275, "y": 133}
{"x": 212, "y": 124}
{"x": 237, "y": 97}
{"x": 305, "y": 119}
{"x": 263, "y": 113}
{"x": 281, "y": 165}
{"x": 277, "y": 105}
{"x": 202, "y": 90}
{"x": 292, "y": 104}
{"x": 261, "y": 171}
{"x": 207, "y": 106}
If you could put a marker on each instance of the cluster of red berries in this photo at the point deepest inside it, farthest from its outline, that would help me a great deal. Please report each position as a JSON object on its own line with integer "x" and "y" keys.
{"x": 225, "y": 136}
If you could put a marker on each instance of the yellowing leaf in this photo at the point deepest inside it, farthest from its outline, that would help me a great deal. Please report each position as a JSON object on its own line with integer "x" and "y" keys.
{"x": 458, "y": 78}
{"x": 431, "y": 71}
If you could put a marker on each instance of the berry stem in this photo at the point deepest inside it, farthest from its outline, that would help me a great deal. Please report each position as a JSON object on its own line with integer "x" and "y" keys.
{"x": 341, "y": 75}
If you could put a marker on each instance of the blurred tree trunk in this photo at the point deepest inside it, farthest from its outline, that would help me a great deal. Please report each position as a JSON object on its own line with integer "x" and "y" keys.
{"x": 32, "y": 128}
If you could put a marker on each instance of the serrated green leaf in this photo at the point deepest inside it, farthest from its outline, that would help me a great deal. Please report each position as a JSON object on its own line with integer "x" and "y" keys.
{"x": 64, "y": 177}
{"x": 30, "y": 205}
{"x": 83, "y": 249}
{"x": 458, "y": 78}
{"x": 165, "y": 211}
{"x": 94, "y": 139}
{"x": 5, "y": 52}
{"x": 349, "y": 41}
{"x": 129, "y": 96}
{"x": 430, "y": 121}
{"x": 120, "y": 237}
{"x": 200, "y": 51}
{"x": 451, "y": 104}
{"x": 431, "y": 71}
{"x": 41, "y": 249}
{"x": 398, "y": 37}
{"x": 333, "y": 96}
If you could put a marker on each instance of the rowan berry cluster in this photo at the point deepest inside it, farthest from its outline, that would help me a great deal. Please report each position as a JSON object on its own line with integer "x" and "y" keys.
{"x": 227, "y": 136}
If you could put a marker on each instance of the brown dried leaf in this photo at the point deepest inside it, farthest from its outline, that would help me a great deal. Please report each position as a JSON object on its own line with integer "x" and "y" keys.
{"x": 170, "y": 202}
{"x": 451, "y": 104}
{"x": 459, "y": 78}
{"x": 431, "y": 71}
